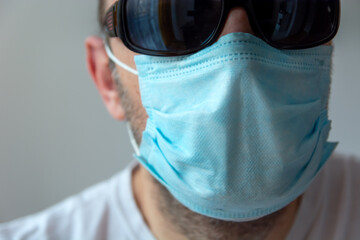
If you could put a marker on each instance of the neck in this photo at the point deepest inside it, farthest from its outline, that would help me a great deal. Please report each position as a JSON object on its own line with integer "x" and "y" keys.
{"x": 144, "y": 189}
{"x": 162, "y": 227}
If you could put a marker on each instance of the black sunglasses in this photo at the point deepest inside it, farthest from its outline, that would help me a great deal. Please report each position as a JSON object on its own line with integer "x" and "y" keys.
{"x": 180, "y": 27}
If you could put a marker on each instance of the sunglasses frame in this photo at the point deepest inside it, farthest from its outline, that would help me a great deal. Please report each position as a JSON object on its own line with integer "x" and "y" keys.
{"x": 115, "y": 26}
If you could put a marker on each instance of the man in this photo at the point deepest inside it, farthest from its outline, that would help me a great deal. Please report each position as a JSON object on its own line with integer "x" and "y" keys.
{"x": 232, "y": 128}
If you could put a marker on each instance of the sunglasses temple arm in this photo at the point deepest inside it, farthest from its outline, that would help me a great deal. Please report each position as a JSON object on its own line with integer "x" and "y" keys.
{"x": 110, "y": 21}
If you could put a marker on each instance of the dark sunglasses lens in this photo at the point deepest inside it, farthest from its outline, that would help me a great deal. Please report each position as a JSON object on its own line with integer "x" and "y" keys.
{"x": 296, "y": 23}
{"x": 171, "y": 26}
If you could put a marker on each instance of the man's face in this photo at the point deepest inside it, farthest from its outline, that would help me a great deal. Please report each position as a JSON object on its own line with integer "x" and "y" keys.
{"x": 120, "y": 92}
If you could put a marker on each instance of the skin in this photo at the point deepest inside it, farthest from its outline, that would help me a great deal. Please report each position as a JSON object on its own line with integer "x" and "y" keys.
{"x": 143, "y": 186}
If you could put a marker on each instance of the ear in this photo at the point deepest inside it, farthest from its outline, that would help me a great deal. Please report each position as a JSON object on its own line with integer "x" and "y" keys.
{"x": 98, "y": 67}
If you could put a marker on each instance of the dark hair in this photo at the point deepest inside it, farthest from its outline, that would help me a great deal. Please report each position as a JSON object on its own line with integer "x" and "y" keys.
{"x": 101, "y": 13}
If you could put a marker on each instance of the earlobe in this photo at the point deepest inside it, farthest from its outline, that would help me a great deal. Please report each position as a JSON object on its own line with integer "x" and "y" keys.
{"x": 98, "y": 67}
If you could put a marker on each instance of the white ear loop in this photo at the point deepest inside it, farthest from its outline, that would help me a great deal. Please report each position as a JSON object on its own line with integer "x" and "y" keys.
{"x": 132, "y": 140}
{"x": 117, "y": 61}
{"x": 133, "y": 71}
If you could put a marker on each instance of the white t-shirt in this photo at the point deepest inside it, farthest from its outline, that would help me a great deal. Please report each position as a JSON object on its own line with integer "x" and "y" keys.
{"x": 330, "y": 209}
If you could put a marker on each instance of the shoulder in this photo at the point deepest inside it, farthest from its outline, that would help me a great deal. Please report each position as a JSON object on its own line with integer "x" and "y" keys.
{"x": 338, "y": 182}
{"x": 339, "y": 206}
{"x": 346, "y": 162}
{"x": 339, "y": 178}
{"x": 341, "y": 175}
{"x": 86, "y": 215}
{"x": 332, "y": 200}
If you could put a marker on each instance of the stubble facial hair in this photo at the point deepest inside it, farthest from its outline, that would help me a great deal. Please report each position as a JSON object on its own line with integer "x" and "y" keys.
{"x": 191, "y": 225}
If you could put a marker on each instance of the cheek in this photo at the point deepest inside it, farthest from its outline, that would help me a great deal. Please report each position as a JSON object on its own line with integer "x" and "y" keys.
{"x": 123, "y": 53}
{"x": 130, "y": 83}
{"x": 128, "y": 80}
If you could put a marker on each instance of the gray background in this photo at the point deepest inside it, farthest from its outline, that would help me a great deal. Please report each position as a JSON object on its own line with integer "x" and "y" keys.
{"x": 56, "y": 137}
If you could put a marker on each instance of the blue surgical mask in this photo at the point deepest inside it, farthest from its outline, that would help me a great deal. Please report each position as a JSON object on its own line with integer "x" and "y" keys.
{"x": 238, "y": 130}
